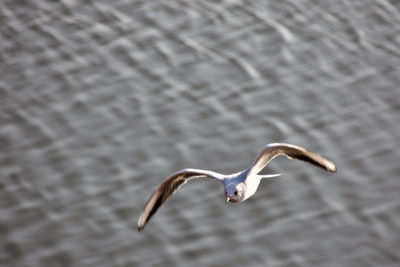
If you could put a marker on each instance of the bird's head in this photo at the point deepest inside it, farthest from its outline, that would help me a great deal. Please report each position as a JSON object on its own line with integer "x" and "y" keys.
{"x": 234, "y": 193}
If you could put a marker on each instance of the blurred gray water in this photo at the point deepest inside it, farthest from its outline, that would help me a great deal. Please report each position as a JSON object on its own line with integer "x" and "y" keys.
{"x": 102, "y": 100}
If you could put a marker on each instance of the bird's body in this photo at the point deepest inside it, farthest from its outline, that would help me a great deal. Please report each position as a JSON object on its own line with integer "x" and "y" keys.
{"x": 237, "y": 186}
{"x": 241, "y": 181}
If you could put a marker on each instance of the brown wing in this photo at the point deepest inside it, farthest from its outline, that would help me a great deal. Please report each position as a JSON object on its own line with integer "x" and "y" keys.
{"x": 291, "y": 151}
{"x": 168, "y": 188}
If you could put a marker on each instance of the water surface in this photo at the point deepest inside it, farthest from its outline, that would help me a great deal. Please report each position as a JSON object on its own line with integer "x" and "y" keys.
{"x": 100, "y": 101}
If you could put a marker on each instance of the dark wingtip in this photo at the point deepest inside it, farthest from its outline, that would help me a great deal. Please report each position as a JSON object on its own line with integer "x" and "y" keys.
{"x": 331, "y": 167}
{"x": 141, "y": 224}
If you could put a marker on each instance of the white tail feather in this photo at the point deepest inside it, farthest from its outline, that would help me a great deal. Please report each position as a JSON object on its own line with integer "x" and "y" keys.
{"x": 269, "y": 175}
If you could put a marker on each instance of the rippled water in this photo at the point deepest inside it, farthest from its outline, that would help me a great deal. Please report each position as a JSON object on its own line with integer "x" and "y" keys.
{"x": 102, "y": 100}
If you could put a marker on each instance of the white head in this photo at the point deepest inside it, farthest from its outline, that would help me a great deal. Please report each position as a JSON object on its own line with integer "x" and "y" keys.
{"x": 235, "y": 192}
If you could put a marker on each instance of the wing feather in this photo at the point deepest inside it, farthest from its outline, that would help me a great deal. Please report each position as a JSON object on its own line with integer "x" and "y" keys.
{"x": 291, "y": 151}
{"x": 168, "y": 188}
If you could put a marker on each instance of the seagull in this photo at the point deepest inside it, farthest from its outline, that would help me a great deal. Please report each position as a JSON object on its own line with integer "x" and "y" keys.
{"x": 237, "y": 186}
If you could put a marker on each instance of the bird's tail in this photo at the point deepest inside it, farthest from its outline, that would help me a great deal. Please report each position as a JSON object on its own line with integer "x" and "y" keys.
{"x": 269, "y": 175}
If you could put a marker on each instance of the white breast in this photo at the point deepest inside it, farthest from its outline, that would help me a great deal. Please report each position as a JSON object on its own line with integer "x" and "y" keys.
{"x": 252, "y": 184}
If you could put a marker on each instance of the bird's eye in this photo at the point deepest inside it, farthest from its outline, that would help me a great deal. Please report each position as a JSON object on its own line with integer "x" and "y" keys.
{"x": 235, "y": 193}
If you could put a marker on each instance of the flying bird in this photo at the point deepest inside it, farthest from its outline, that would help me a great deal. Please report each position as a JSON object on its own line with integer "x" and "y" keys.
{"x": 237, "y": 186}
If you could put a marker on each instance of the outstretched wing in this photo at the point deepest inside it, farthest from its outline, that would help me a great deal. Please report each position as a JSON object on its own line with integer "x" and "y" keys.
{"x": 291, "y": 151}
{"x": 168, "y": 188}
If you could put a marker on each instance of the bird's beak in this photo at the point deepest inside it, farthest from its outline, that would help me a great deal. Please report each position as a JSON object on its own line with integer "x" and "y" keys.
{"x": 228, "y": 199}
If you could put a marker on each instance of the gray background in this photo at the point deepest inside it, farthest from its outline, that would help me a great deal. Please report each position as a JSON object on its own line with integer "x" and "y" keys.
{"x": 102, "y": 100}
